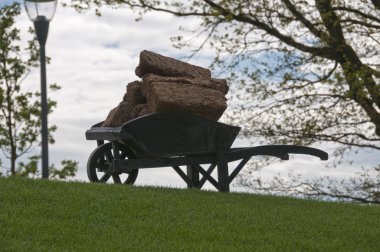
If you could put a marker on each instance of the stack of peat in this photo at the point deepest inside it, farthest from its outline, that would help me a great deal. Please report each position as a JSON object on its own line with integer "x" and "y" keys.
{"x": 170, "y": 85}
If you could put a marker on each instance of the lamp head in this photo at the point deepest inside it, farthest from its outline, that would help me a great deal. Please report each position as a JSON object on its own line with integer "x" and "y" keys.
{"x": 40, "y": 9}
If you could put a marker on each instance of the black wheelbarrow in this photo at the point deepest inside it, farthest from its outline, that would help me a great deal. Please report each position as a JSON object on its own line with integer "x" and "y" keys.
{"x": 175, "y": 140}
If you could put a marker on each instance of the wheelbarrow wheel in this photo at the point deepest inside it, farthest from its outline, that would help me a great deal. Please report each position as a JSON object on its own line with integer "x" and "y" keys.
{"x": 100, "y": 161}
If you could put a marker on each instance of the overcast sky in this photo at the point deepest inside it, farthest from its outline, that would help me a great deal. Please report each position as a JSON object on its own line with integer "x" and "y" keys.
{"x": 94, "y": 58}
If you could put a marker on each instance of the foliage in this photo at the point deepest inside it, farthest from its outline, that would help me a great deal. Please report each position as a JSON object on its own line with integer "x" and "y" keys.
{"x": 30, "y": 169}
{"x": 304, "y": 72}
{"x": 69, "y": 168}
{"x": 81, "y": 217}
{"x": 20, "y": 112}
{"x": 363, "y": 188}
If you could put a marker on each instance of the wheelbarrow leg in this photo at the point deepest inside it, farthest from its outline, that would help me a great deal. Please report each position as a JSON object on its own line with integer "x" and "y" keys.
{"x": 223, "y": 180}
{"x": 193, "y": 175}
{"x": 222, "y": 161}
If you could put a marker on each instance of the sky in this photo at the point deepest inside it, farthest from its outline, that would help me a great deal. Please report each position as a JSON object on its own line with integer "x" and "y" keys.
{"x": 94, "y": 58}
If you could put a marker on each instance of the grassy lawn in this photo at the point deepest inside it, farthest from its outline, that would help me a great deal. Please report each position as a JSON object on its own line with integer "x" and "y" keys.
{"x": 38, "y": 215}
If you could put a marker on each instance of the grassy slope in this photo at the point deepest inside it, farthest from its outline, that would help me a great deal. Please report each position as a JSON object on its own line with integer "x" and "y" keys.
{"x": 44, "y": 215}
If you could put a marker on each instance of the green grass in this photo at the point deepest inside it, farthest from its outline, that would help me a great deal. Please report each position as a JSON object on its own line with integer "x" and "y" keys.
{"x": 38, "y": 215}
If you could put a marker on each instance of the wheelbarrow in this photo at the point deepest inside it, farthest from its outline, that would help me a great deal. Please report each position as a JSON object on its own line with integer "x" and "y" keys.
{"x": 181, "y": 141}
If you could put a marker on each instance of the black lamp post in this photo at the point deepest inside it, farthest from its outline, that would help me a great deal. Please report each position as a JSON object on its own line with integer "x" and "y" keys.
{"x": 41, "y": 12}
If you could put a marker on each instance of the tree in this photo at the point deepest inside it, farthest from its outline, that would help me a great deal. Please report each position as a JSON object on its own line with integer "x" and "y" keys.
{"x": 20, "y": 111}
{"x": 305, "y": 72}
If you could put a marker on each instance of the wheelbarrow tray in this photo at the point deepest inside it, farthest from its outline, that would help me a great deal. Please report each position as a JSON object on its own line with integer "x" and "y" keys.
{"x": 168, "y": 134}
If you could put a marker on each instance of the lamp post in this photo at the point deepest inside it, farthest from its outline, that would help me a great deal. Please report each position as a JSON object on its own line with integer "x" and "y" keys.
{"x": 41, "y": 13}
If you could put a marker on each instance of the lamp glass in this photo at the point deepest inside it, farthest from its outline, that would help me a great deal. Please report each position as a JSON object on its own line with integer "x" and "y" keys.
{"x": 40, "y": 9}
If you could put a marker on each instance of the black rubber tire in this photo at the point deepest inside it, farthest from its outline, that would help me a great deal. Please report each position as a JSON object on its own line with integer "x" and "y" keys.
{"x": 101, "y": 158}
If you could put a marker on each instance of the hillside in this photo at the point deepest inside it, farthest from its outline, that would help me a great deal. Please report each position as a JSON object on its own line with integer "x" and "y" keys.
{"x": 60, "y": 216}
